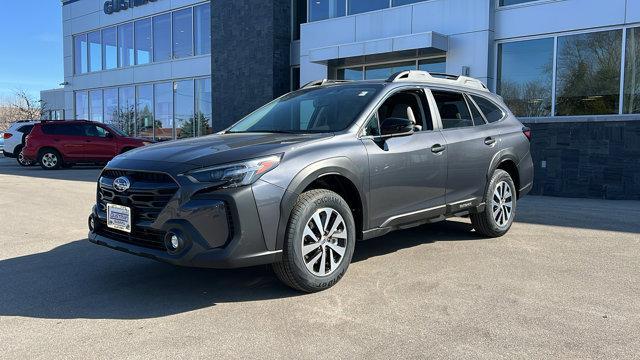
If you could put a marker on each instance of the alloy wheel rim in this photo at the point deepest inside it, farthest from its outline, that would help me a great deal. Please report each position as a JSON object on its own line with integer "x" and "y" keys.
{"x": 49, "y": 160}
{"x": 502, "y": 204}
{"x": 324, "y": 242}
{"x": 21, "y": 159}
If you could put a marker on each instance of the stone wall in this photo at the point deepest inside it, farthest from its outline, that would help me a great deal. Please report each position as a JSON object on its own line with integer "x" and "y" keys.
{"x": 587, "y": 159}
{"x": 249, "y": 56}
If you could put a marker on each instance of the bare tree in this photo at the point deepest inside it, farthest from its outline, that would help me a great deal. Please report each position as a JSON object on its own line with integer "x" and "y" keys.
{"x": 21, "y": 106}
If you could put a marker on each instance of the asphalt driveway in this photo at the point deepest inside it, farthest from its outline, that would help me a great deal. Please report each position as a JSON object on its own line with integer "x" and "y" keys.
{"x": 564, "y": 283}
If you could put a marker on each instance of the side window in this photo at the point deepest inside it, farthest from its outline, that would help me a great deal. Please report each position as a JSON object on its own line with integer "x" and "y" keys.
{"x": 26, "y": 129}
{"x": 453, "y": 109}
{"x": 69, "y": 130}
{"x": 372, "y": 128}
{"x": 95, "y": 131}
{"x": 491, "y": 111}
{"x": 410, "y": 105}
{"x": 478, "y": 119}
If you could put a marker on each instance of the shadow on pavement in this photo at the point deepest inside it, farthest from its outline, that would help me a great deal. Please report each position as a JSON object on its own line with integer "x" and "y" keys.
{"x": 9, "y": 166}
{"x": 82, "y": 280}
{"x": 607, "y": 215}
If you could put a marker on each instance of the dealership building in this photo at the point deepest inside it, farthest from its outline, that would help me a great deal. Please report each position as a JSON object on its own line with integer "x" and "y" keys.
{"x": 166, "y": 69}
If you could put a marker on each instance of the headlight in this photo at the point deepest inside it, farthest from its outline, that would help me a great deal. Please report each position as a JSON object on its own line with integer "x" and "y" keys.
{"x": 236, "y": 174}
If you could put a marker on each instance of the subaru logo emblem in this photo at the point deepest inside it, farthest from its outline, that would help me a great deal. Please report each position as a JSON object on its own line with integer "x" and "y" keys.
{"x": 121, "y": 184}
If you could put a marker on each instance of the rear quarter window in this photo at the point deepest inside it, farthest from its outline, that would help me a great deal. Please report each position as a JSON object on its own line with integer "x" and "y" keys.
{"x": 490, "y": 110}
{"x": 25, "y": 129}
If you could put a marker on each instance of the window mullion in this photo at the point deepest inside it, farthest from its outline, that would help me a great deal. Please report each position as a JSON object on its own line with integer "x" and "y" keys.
{"x": 622, "y": 70}
{"x": 553, "y": 76}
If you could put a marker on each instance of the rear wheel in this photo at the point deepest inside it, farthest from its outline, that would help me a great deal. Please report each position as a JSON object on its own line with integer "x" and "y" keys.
{"x": 500, "y": 209}
{"x": 21, "y": 159}
{"x": 50, "y": 159}
{"x": 319, "y": 242}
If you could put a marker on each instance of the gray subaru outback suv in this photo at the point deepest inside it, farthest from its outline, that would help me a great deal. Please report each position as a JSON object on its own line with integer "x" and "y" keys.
{"x": 300, "y": 180}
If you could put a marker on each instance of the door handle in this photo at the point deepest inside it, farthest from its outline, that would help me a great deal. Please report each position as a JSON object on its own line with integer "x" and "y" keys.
{"x": 490, "y": 141}
{"x": 437, "y": 148}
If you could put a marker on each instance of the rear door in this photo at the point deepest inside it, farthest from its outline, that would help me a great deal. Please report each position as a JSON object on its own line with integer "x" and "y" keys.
{"x": 407, "y": 173}
{"x": 471, "y": 145}
{"x": 98, "y": 145}
{"x": 68, "y": 138}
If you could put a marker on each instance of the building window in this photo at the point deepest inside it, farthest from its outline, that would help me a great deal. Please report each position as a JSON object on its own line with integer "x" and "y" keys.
{"x": 162, "y": 37}
{"x": 143, "y": 41}
{"x": 109, "y": 48}
{"x": 632, "y": 72}
{"x": 514, "y": 2}
{"x": 204, "y": 113}
{"x": 354, "y": 73}
{"x": 126, "y": 110}
{"x": 299, "y": 14}
{"x": 95, "y": 51}
{"x": 525, "y": 76}
{"x": 163, "y": 111}
{"x": 436, "y": 65}
{"x": 588, "y": 73}
{"x": 95, "y": 106}
{"x": 110, "y": 105}
{"x": 404, "y": 2}
{"x": 295, "y": 78}
{"x": 125, "y": 45}
{"x": 82, "y": 105}
{"x": 325, "y": 9}
{"x": 360, "y": 6}
{"x": 144, "y": 111}
{"x": 183, "y": 101}
{"x": 386, "y": 70}
{"x": 182, "y": 34}
{"x": 80, "y": 53}
{"x": 202, "y": 26}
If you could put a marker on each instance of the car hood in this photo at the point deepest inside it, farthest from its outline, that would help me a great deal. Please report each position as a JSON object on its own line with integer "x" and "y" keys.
{"x": 218, "y": 149}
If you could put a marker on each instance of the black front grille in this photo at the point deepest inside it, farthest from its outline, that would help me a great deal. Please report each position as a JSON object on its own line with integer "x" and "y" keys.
{"x": 142, "y": 237}
{"x": 147, "y": 197}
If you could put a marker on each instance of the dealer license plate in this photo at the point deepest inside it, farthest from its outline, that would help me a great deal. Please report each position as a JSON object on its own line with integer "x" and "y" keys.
{"x": 119, "y": 217}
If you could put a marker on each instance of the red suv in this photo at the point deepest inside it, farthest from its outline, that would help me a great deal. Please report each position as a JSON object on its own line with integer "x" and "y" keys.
{"x": 64, "y": 143}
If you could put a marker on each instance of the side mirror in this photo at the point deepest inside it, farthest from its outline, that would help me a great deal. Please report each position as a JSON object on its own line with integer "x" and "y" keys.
{"x": 397, "y": 127}
{"x": 109, "y": 135}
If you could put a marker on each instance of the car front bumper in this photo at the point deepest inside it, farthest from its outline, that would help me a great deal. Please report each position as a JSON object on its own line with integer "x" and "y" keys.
{"x": 217, "y": 229}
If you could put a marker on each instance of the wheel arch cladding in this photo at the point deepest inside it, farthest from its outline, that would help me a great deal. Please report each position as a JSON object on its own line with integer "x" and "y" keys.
{"x": 508, "y": 161}
{"x": 323, "y": 175}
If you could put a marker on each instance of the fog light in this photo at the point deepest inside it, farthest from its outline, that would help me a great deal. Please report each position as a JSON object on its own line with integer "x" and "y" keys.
{"x": 92, "y": 223}
{"x": 175, "y": 241}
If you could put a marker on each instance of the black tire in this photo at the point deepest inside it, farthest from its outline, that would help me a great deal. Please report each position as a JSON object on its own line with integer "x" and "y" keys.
{"x": 488, "y": 223}
{"x": 50, "y": 159}
{"x": 126, "y": 150}
{"x": 292, "y": 269}
{"x": 21, "y": 159}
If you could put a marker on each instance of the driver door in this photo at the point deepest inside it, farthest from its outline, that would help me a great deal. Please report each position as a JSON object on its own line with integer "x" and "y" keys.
{"x": 407, "y": 173}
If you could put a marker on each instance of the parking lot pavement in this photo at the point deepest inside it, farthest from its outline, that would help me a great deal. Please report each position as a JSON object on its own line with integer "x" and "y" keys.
{"x": 564, "y": 283}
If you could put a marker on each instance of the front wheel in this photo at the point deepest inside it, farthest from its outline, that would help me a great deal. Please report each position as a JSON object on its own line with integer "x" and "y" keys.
{"x": 319, "y": 242}
{"x": 500, "y": 208}
{"x": 50, "y": 159}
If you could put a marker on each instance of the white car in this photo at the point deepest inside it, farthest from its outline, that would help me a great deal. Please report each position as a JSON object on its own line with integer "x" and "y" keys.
{"x": 14, "y": 139}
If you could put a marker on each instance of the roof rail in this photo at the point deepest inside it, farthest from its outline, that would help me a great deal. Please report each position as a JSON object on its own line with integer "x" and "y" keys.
{"x": 437, "y": 78}
{"x": 322, "y": 82}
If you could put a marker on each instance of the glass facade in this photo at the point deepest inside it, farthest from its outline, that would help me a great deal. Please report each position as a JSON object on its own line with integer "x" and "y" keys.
{"x": 109, "y": 48}
{"x": 125, "y": 45}
{"x": 178, "y": 34}
{"x": 327, "y": 9}
{"x": 143, "y": 43}
{"x": 144, "y": 111}
{"x": 95, "y": 105}
{"x": 589, "y": 70}
{"x": 95, "y": 51}
{"x": 632, "y": 72}
{"x": 202, "y": 29}
{"x": 126, "y": 110}
{"x": 183, "y": 100}
{"x": 383, "y": 71}
{"x": 514, "y": 2}
{"x": 525, "y": 73}
{"x": 203, "y": 108}
{"x": 163, "y": 110}
{"x": 182, "y": 33}
{"x": 82, "y": 105}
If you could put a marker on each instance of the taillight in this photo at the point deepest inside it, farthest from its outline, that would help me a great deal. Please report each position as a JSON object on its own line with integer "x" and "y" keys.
{"x": 7, "y": 135}
{"x": 527, "y": 132}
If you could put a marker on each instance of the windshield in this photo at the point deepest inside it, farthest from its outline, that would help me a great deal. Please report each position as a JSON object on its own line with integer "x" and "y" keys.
{"x": 325, "y": 109}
